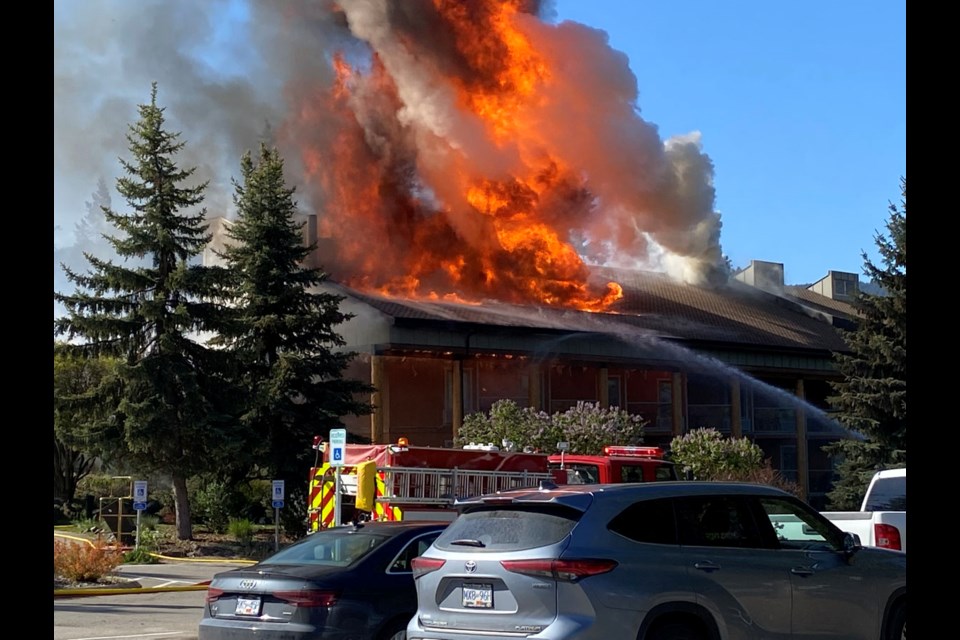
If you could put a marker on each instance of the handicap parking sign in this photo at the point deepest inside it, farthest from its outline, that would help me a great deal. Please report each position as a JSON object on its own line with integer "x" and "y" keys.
{"x": 338, "y": 442}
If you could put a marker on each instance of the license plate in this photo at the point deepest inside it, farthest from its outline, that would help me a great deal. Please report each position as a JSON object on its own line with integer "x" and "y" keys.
{"x": 248, "y": 606}
{"x": 478, "y": 596}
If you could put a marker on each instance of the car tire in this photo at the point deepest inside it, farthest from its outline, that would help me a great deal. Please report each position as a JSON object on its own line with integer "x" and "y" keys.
{"x": 676, "y": 631}
{"x": 396, "y": 630}
{"x": 898, "y": 623}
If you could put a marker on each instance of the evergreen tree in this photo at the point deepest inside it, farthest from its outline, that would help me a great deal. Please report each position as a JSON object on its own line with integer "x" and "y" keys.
{"x": 93, "y": 226}
{"x": 871, "y": 397}
{"x": 284, "y": 331}
{"x": 170, "y": 404}
{"x": 74, "y": 450}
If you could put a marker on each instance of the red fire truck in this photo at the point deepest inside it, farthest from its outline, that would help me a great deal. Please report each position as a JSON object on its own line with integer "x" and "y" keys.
{"x": 617, "y": 464}
{"x": 403, "y": 482}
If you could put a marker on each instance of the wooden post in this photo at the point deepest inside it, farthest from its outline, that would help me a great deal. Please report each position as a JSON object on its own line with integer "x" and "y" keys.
{"x": 678, "y": 384}
{"x": 535, "y": 398}
{"x": 377, "y": 399}
{"x": 604, "y": 381}
{"x": 736, "y": 427}
{"x": 803, "y": 471}
{"x": 457, "y": 398}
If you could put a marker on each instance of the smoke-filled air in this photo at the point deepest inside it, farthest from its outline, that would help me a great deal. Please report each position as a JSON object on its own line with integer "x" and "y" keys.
{"x": 450, "y": 150}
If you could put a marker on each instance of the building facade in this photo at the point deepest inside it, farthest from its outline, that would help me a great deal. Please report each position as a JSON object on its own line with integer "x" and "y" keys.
{"x": 750, "y": 360}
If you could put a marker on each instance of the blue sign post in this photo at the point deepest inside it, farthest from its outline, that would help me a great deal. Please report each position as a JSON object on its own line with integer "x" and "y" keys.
{"x": 338, "y": 442}
{"x": 277, "y": 504}
{"x": 139, "y": 503}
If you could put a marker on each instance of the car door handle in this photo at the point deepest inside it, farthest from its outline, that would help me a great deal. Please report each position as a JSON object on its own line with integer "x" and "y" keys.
{"x": 706, "y": 566}
{"x": 802, "y": 571}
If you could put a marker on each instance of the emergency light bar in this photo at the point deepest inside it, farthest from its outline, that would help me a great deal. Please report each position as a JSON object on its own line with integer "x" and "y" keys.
{"x": 636, "y": 452}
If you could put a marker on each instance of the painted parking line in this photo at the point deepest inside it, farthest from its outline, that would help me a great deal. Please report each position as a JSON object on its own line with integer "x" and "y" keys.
{"x": 139, "y": 635}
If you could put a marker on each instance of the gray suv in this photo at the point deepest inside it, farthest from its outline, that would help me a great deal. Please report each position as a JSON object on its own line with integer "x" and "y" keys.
{"x": 654, "y": 561}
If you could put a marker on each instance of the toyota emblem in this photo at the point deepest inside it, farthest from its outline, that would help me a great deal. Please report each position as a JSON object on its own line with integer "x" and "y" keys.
{"x": 470, "y": 566}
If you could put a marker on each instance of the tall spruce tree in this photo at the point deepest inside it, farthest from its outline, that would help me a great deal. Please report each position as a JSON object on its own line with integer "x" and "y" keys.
{"x": 284, "y": 333}
{"x": 170, "y": 404}
{"x": 871, "y": 397}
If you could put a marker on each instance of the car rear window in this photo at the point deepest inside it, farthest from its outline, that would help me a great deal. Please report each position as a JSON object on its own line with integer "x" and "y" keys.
{"x": 332, "y": 547}
{"x": 508, "y": 529}
{"x": 888, "y": 494}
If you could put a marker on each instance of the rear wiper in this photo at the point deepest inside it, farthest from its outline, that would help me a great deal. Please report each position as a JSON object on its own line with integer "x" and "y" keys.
{"x": 468, "y": 542}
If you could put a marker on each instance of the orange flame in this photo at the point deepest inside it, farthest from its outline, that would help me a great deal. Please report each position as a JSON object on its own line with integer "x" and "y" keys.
{"x": 463, "y": 233}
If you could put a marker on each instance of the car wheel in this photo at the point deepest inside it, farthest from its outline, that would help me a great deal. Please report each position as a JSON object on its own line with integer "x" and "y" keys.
{"x": 898, "y": 623}
{"x": 395, "y": 631}
{"x": 676, "y": 631}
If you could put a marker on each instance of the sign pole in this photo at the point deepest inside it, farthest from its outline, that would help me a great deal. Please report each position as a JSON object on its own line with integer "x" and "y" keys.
{"x": 338, "y": 445}
{"x": 338, "y": 503}
{"x": 139, "y": 503}
{"x": 278, "y": 494}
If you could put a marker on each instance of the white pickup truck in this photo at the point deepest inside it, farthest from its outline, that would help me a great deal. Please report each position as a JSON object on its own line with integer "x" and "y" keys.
{"x": 882, "y": 519}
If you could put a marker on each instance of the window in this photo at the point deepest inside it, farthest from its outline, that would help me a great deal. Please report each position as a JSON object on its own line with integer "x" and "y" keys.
{"x": 797, "y": 527}
{"x": 613, "y": 391}
{"x": 888, "y": 494}
{"x": 665, "y": 405}
{"x": 631, "y": 473}
{"x": 492, "y": 529}
{"x": 649, "y": 521}
{"x": 579, "y": 473}
{"x": 414, "y": 549}
{"x": 716, "y": 521}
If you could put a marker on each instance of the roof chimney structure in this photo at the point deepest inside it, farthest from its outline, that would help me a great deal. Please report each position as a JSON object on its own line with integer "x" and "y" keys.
{"x": 837, "y": 285}
{"x": 767, "y": 276}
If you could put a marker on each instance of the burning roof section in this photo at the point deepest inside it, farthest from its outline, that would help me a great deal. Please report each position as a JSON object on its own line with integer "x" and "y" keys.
{"x": 468, "y": 151}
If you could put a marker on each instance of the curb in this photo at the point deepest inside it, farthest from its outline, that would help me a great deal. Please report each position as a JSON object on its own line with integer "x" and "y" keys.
{"x": 121, "y": 591}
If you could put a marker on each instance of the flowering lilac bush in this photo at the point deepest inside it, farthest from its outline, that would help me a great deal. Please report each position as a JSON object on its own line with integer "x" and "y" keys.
{"x": 707, "y": 455}
{"x": 587, "y": 427}
{"x": 523, "y": 426}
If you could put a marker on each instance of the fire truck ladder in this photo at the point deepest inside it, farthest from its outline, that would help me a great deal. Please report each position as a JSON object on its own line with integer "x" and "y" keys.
{"x": 412, "y": 485}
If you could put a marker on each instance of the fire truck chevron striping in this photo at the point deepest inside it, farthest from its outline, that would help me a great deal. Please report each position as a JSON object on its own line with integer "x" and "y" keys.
{"x": 322, "y": 496}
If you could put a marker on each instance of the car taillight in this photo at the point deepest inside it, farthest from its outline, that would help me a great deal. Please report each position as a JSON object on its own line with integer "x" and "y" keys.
{"x": 563, "y": 570}
{"x": 308, "y": 597}
{"x": 213, "y": 593}
{"x": 422, "y": 566}
{"x": 887, "y": 536}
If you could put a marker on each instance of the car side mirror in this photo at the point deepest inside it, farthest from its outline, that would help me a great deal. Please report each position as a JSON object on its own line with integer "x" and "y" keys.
{"x": 851, "y": 543}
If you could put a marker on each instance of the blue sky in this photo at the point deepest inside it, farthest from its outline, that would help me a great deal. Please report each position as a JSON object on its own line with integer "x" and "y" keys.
{"x": 801, "y": 105}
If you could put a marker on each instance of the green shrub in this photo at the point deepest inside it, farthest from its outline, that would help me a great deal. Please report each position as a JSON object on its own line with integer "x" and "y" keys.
{"x": 90, "y": 524}
{"x": 706, "y": 454}
{"x": 148, "y": 523}
{"x": 84, "y": 562}
{"x": 139, "y": 555}
{"x": 241, "y": 529}
{"x": 209, "y": 505}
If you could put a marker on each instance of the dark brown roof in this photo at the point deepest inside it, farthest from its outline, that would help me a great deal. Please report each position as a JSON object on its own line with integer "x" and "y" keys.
{"x": 821, "y": 302}
{"x": 734, "y": 315}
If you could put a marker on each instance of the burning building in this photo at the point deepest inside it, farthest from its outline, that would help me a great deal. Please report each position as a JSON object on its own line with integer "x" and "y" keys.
{"x": 504, "y": 224}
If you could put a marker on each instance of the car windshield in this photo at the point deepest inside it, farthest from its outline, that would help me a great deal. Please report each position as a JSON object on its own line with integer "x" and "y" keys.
{"x": 330, "y": 547}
